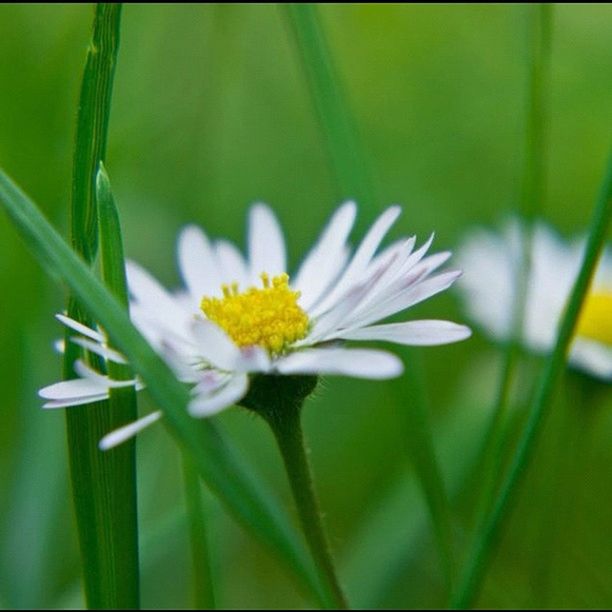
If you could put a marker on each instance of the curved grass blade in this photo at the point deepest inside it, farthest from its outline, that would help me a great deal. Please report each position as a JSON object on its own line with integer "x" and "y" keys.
{"x": 216, "y": 461}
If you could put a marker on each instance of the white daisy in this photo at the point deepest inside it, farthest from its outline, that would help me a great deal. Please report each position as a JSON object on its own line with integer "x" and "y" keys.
{"x": 490, "y": 262}
{"x": 240, "y": 316}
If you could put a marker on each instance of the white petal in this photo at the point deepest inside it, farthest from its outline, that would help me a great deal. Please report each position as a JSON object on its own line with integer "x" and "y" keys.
{"x": 253, "y": 359}
{"x": 360, "y": 260}
{"x": 79, "y": 327}
{"x": 72, "y": 389}
{"x": 197, "y": 263}
{"x": 411, "y": 333}
{"x": 411, "y": 296}
{"x": 592, "y": 357}
{"x": 99, "y": 349}
{"x": 75, "y": 401}
{"x": 208, "y": 404}
{"x": 232, "y": 264}
{"x": 266, "y": 243}
{"x": 118, "y": 436}
{"x": 329, "y": 255}
{"x": 360, "y": 363}
{"x": 214, "y": 345}
{"x": 152, "y": 296}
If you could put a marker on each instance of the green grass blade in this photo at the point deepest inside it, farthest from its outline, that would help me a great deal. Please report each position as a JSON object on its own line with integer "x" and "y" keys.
{"x": 344, "y": 146}
{"x": 486, "y": 539}
{"x": 92, "y": 126}
{"x": 203, "y": 587}
{"x": 218, "y": 464}
{"x": 103, "y": 485}
{"x": 122, "y": 409}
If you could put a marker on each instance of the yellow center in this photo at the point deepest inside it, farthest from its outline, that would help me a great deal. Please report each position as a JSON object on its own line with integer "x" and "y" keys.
{"x": 269, "y": 317}
{"x": 595, "y": 321}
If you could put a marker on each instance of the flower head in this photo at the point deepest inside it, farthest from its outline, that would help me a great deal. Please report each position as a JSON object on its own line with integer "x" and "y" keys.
{"x": 243, "y": 316}
{"x": 490, "y": 262}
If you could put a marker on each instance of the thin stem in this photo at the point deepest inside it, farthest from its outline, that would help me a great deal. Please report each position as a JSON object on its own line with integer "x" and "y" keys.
{"x": 287, "y": 428}
{"x": 203, "y": 587}
{"x": 486, "y": 540}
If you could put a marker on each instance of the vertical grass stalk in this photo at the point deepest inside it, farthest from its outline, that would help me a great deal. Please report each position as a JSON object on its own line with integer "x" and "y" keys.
{"x": 103, "y": 485}
{"x": 487, "y": 537}
{"x": 201, "y": 574}
{"x": 121, "y": 409}
{"x": 344, "y": 148}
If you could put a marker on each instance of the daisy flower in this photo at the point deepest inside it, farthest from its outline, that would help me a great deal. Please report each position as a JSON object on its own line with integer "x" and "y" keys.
{"x": 490, "y": 262}
{"x": 238, "y": 317}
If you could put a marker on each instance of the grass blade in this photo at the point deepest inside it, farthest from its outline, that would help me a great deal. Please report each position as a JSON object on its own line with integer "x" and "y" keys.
{"x": 203, "y": 587}
{"x": 122, "y": 409}
{"x": 217, "y": 463}
{"x": 344, "y": 147}
{"x": 482, "y": 550}
{"x": 103, "y": 485}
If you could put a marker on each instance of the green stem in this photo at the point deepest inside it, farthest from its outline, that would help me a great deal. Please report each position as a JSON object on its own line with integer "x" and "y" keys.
{"x": 486, "y": 540}
{"x": 287, "y": 428}
{"x": 103, "y": 484}
{"x": 203, "y": 588}
{"x": 339, "y": 128}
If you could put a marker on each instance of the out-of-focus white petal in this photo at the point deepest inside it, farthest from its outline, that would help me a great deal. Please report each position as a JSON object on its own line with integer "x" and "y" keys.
{"x": 197, "y": 263}
{"x": 592, "y": 357}
{"x": 411, "y": 333}
{"x": 266, "y": 243}
{"x": 360, "y": 363}
{"x": 327, "y": 258}
{"x": 232, "y": 264}
{"x": 208, "y": 404}
{"x": 118, "y": 436}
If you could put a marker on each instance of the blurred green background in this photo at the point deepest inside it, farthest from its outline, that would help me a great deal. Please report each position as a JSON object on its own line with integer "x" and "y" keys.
{"x": 211, "y": 112}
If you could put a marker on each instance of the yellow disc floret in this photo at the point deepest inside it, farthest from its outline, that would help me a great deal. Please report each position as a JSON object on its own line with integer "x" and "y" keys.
{"x": 269, "y": 317}
{"x": 595, "y": 320}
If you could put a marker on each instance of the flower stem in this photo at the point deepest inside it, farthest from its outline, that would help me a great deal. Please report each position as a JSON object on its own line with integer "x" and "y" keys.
{"x": 287, "y": 428}
{"x": 488, "y": 536}
{"x": 203, "y": 588}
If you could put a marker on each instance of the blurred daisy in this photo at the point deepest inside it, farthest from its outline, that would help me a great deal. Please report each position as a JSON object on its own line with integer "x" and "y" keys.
{"x": 490, "y": 262}
{"x": 239, "y": 316}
